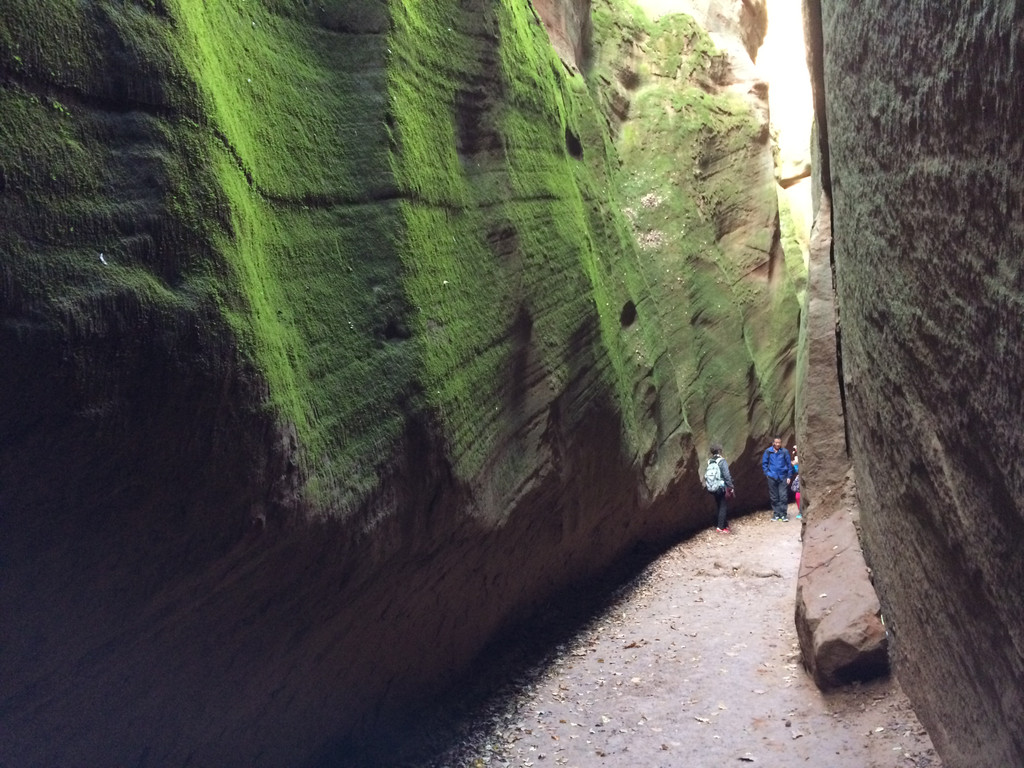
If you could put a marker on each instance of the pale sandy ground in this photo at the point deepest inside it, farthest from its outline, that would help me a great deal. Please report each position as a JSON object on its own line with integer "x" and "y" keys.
{"x": 693, "y": 663}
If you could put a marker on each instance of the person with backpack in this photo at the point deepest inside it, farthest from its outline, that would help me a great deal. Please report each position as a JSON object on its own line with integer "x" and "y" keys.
{"x": 718, "y": 482}
{"x": 778, "y": 468}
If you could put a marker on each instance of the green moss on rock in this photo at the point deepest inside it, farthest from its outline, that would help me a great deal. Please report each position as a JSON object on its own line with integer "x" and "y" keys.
{"x": 703, "y": 217}
{"x": 482, "y": 112}
{"x": 390, "y": 205}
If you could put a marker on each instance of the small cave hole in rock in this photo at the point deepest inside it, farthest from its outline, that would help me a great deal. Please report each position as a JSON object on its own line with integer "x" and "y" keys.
{"x": 396, "y": 330}
{"x": 628, "y": 315}
{"x": 572, "y": 144}
{"x": 630, "y": 80}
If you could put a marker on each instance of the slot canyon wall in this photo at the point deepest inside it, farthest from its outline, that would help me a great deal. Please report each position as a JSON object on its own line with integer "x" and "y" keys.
{"x": 919, "y": 114}
{"x": 337, "y": 337}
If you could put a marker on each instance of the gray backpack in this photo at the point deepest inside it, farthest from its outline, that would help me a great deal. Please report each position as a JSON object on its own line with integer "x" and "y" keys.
{"x": 713, "y": 476}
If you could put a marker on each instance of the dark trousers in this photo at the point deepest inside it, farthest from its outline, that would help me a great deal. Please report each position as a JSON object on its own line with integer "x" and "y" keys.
{"x": 778, "y": 493}
{"x": 722, "y": 511}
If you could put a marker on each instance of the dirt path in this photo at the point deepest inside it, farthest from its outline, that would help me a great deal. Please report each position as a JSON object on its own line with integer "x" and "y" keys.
{"x": 695, "y": 664}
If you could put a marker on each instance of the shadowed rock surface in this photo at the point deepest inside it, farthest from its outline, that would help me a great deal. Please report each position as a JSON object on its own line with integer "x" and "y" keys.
{"x": 329, "y": 351}
{"x": 925, "y": 151}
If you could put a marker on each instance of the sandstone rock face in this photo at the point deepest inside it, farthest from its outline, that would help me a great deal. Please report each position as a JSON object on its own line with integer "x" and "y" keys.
{"x": 728, "y": 21}
{"x": 329, "y": 353}
{"x": 837, "y": 611}
{"x": 923, "y": 125}
{"x": 821, "y": 425}
{"x": 569, "y": 28}
{"x": 690, "y": 120}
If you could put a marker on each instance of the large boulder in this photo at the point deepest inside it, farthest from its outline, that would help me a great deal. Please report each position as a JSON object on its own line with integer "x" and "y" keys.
{"x": 821, "y": 417}
{"x": 838, "y": 621}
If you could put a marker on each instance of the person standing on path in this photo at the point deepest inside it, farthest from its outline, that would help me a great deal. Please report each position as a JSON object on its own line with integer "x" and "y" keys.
{"x": 719, "y": 485}
{"x": 795, "y": 485}
{"x": 778, "y": 468}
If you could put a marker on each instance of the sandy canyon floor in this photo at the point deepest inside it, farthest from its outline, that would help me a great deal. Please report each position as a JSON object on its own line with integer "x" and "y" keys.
{"x": 692, "y": 661}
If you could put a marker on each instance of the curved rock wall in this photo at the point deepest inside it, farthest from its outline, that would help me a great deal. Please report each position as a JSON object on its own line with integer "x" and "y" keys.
{"x": 690, "y": 120}
{"x": 923, "y": 117}
{"x": 328, "y": 353}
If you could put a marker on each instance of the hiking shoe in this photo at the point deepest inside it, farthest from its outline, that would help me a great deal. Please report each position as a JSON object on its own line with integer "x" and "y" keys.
{"x": 723, "y": 530}
{"x": 784, "y": 519}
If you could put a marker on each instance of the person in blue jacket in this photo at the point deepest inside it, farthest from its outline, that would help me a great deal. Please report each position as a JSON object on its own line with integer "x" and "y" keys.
{"x": 778, "y": 468}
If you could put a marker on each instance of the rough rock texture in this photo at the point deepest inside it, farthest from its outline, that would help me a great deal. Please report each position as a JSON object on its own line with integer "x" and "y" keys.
{"x": 926, "y": 151}
{"x": 328, "y": 354}
{"x": 837, "y": 611}
{"x": 740, "y": 22}
{"x": 691, "y": 127}
{"x": 820, "y": 424}
{"x": 842, "y": 638}
{"x": 568, "y": 25}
